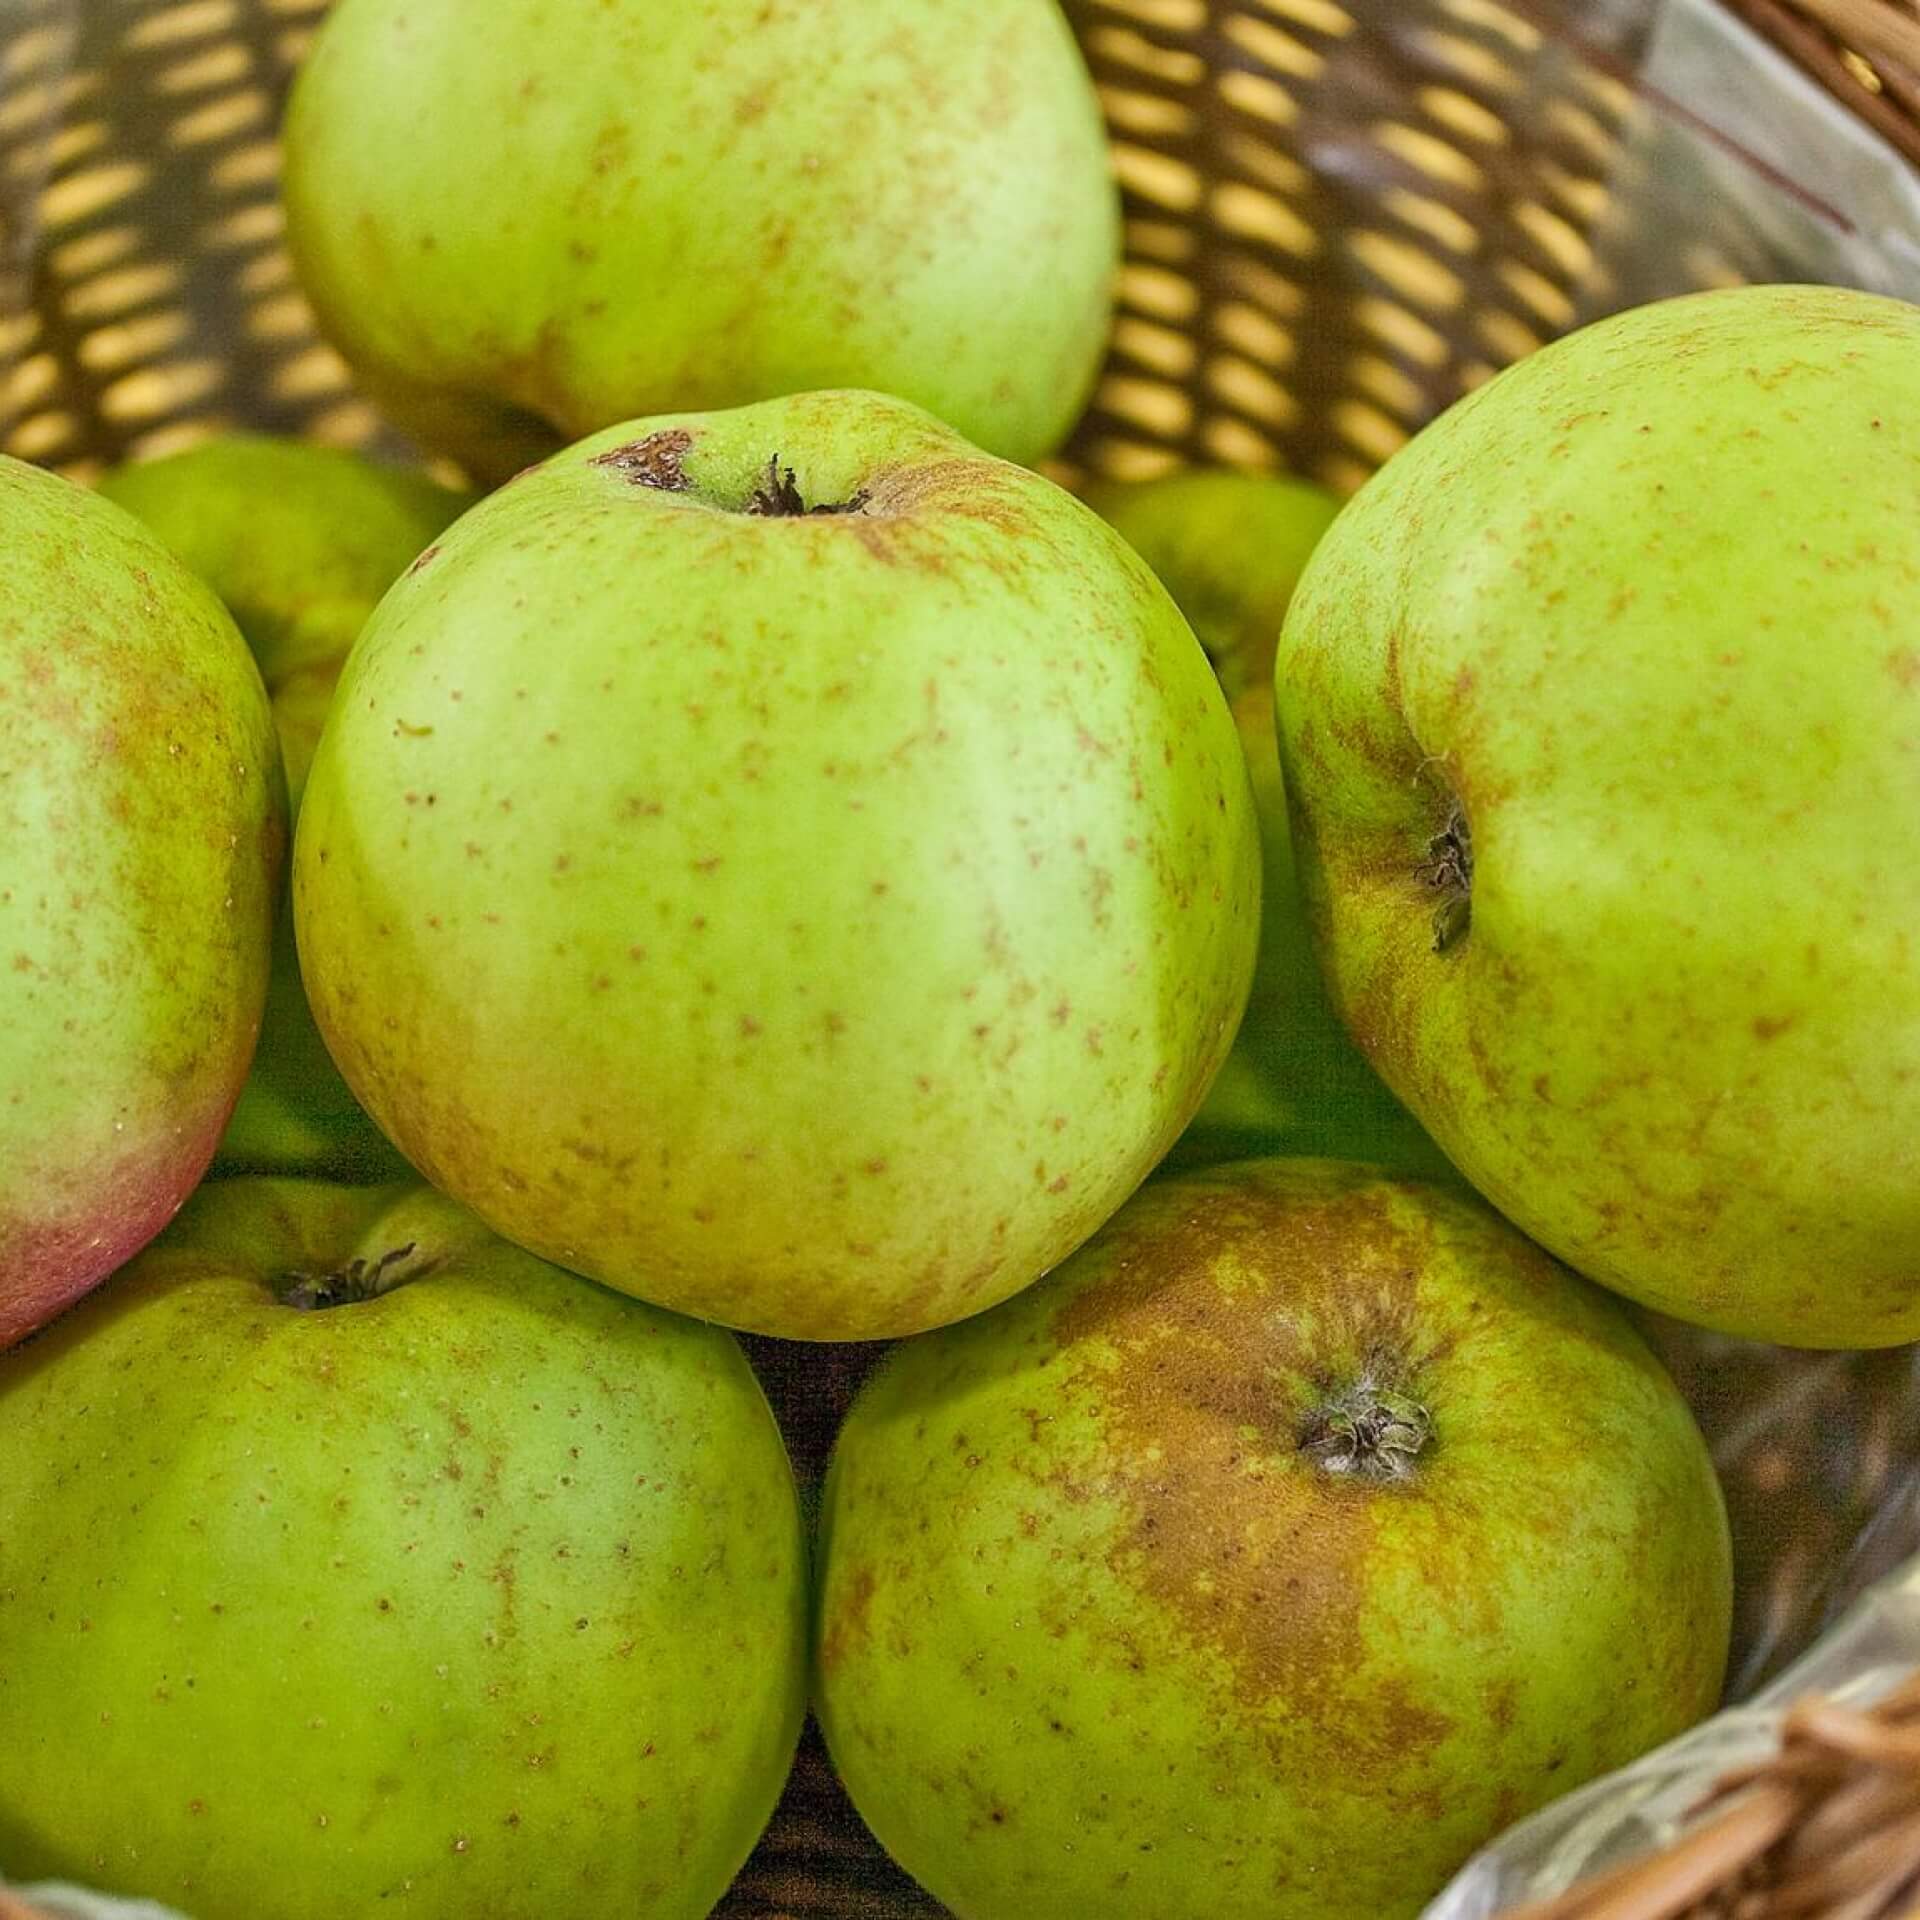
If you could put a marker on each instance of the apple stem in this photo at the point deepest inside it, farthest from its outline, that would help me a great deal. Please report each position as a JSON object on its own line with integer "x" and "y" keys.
{"x": 1369, "y": 1430}
{"x": 360, "y": 1279}
{"x": 777, "y": 497}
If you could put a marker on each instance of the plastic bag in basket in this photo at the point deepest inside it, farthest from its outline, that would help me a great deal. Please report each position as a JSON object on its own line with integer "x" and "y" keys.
{"x": 1874, "y": 1649}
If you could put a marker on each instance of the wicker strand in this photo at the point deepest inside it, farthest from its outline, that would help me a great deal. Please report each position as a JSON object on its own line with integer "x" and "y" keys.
{"x": 1827, "y": 1830}
{"x": 1885, "y": 100}
{"x": 1882, "y": 29}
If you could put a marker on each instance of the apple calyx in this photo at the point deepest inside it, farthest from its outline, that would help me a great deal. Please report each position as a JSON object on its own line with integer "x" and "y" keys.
{"x": 777, "y": 496}
{"x": 1369, "y": 1430}
{"x": 360, "y": 1279}
{"x": 1448, "y": 871}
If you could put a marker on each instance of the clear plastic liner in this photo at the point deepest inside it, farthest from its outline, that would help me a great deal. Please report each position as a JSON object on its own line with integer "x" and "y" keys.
{"x": 1738, "y": 166}
{"x": 1873, "y": 1649}
{"x": 75, "y": 1903}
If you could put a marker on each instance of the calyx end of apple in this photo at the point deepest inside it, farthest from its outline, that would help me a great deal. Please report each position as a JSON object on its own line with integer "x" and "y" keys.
{"x": 1447, "y": 871}
{"x": 358, "y": 1280}
{"x": 1368, "y": 1430}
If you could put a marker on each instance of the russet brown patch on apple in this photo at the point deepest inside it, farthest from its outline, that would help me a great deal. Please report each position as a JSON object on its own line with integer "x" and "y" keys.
{"x": 846, "y": 1622}
{"x": 656, "y": 462}
{"x": 970, "y": 489}
{"x": 1226, "y": 1312}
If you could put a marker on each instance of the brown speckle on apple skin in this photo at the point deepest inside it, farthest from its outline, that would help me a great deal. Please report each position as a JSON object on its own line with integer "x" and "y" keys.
{"x": 656, "y": 462}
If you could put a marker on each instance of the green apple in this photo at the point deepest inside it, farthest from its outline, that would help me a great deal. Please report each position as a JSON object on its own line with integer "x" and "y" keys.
{"x": 783, "y": 862}
{"x": 351, "y": 1556}
{"x": 142, "y": 837}
{"x": 598, "y": 209}
{"x": 1600, "y": 710}
{"x": 1302, "y": 1532}
{"x": 1229, "y": 547}
{"x": 300, "y": 541}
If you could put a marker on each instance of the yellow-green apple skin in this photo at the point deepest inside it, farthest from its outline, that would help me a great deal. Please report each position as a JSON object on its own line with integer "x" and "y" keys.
{"x": 1600, "y": 710}
{"x": 599, "y": 209}
{"x": 1302, "y": 1532}
{"x": 479, "y": 1591}
{"x": 142, "y": 842}
{"x": 819, "y": 921}
{"x": 300, "y": 542}
{"x": 1229, "y": 547}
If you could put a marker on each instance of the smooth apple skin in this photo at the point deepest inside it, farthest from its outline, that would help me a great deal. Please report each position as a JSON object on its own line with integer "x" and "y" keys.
{"x": 1230, "y": 548}
{"x": 600, "y": 209}
{"x": 1095, "y": 1634}
{"x": 1648, "y": 607}
{"x": 483, "y": 1598}
{"x": 299, "y": 541}
{"x": 142, "y": 840}
{"x": 819, "y": 924}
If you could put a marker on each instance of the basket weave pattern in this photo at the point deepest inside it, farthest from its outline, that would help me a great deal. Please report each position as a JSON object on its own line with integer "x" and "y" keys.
{"x": 1341, "y": 215}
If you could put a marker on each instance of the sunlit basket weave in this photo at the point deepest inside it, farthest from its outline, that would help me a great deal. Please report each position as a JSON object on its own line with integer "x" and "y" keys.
{"x": 1261, "y": 319}
{"x": 1342, "y": 214}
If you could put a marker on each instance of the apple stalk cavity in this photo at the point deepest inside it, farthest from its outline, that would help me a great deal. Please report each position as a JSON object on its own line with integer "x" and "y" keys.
{"x": 778, "y": 497}
{"x": 357, "y": 1280}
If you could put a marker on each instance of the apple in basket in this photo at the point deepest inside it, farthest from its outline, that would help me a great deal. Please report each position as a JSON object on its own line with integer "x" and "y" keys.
{"x": 299, "y": 541}
{"x": 1230, "y": 547}
{"x": 1600, "y": 708}
{"x": 1302, "y": 1532}
{"x": 142, "y": 836}
{"x": 351, "y": 1558}
{"x": 784, "y": 863}
{"x": 598, "y": 209}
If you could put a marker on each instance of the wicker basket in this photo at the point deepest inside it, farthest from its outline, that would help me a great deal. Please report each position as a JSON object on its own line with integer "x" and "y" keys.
{"x": 1865, "y": 52}
{"x": 1341, "y": 215}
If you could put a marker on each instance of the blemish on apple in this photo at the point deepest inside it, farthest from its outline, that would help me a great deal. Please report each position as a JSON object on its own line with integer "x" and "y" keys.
{"x": 657, "y": 461}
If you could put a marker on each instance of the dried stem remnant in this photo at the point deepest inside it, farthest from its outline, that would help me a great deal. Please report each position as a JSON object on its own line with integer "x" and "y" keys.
{"x": 777, "y": 496}
{"x": 1448, "y": 871}
{"x": 358, "y": 1280}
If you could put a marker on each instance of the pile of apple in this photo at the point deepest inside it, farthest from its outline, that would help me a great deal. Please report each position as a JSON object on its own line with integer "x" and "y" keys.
{"x": 777, "y": 863}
